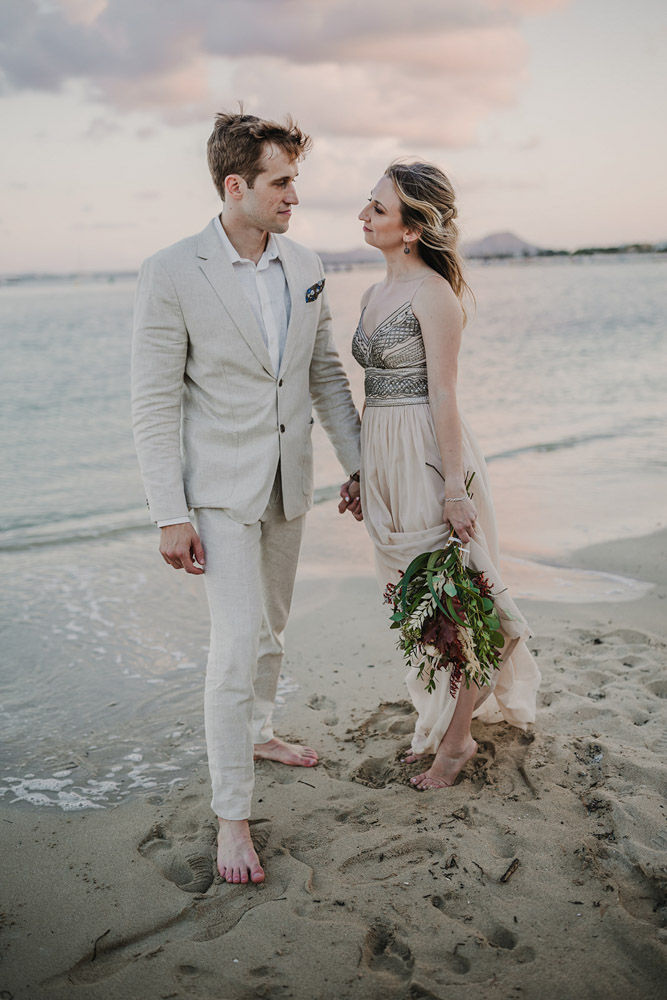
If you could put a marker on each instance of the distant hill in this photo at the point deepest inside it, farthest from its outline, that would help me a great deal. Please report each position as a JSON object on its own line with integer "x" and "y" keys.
{"x": 495, "y": 245}
{"x": 500, "y": 245}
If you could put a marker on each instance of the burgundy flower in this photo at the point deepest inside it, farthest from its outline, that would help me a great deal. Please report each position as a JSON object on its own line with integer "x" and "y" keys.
{"x": 444, "y": 635}
{"x": 483, "y": 585}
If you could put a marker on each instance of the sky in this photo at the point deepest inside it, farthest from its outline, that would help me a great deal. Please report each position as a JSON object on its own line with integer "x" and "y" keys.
{"x": 548, "y": 116}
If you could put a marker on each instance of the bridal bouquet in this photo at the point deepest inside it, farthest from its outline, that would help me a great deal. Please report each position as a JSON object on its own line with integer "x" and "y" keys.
{"x": 447, "y": 618}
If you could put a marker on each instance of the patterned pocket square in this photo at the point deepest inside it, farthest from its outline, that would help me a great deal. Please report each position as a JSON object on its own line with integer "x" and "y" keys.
{"x": 314, "y": 290}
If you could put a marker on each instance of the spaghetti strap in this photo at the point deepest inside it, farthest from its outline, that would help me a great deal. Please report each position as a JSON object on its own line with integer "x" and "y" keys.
{"x": 408, "y": 302}
{"x": 419, "y": 286}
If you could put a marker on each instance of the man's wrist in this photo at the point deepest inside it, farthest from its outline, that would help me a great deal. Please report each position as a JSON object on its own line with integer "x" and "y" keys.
{"x": 355, "y": 476}
{"x": 173, "y": 520}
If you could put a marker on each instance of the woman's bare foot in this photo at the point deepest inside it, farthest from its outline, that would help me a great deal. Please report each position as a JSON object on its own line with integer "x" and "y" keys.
{"x": 443, "y": 771}
{"x": 237, "y": 858}
{"x": 285, "y": 753}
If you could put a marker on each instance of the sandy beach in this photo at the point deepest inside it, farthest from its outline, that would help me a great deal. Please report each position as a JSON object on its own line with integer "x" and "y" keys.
{"x": 541, "y": 873}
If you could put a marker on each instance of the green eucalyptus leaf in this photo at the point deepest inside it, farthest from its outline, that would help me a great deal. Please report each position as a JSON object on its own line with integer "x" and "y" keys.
{"x": 452, "y": 613}
{"x": 417, "y": 564}
{"x": 436, "y": 598}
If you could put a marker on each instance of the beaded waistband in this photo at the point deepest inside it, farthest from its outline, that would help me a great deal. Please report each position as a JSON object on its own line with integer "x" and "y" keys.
{"x": 398, "y": 387}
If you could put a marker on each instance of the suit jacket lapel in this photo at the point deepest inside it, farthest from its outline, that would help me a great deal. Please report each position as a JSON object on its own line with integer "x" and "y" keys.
{"x": 297, "y": 291}
{"x": 219, "y": 271}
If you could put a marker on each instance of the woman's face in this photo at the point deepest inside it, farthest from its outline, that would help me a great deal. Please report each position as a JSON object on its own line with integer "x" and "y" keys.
{"x": 383, "y": 226}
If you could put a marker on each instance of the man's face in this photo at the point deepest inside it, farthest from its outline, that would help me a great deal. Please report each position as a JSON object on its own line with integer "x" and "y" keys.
{"x": 267, "y": 205}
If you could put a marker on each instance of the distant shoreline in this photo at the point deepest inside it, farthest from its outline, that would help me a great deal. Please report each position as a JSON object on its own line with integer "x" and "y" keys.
{"x": 340, "y": 263}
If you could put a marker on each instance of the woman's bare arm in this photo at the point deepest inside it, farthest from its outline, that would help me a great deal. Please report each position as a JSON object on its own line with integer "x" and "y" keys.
{"x": 441, "y": 319}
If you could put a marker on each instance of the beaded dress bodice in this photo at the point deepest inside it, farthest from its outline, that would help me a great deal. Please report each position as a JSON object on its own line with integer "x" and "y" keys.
{"x": 394, "y": 359}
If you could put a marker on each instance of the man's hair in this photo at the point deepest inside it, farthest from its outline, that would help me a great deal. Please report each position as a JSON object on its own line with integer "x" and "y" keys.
{"x": 237, "y": 142}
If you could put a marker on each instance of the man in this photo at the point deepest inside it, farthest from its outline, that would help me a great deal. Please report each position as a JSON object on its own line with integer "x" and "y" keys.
{"x": 232, "y": 345}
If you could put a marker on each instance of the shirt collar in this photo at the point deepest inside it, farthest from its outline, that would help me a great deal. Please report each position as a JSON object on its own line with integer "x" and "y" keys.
{"x": 271, "y": 252}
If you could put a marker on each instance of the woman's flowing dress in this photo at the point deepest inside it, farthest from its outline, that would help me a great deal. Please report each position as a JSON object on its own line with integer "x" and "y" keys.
{"x": 403, "y": 497}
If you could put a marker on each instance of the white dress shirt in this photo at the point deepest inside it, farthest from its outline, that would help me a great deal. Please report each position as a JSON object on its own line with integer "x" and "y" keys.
{"x": 265, "y": 287}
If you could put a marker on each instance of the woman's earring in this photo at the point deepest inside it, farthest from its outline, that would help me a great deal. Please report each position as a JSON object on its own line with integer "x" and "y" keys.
{"x": 406, "y": 248}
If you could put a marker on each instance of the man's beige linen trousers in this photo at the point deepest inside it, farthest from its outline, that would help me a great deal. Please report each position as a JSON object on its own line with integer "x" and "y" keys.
{"x": 250, "y": 570}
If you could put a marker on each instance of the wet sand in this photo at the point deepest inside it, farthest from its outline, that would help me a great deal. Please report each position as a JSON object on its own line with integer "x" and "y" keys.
{"x": 375, "y": 890}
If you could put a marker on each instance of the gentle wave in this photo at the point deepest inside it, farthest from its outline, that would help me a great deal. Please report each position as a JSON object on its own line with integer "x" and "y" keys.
{"x": 571, "y": 441}
{"x": 76, "y": 529}
{"x": 96, "y": 526}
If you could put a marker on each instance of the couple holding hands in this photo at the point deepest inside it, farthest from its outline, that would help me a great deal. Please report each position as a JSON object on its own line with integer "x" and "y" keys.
{"x": 232, "y": 348}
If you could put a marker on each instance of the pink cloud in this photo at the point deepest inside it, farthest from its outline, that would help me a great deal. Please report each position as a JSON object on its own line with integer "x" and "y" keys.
{"x": 467, "y": 51}
{"x": 428, "y": 71}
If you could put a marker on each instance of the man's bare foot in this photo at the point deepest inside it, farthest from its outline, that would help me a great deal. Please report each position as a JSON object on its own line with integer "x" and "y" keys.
{"x": 286, "y": 753}
{"x": 411, "y": 757}
{"x": 443, "y": 771}
{"x": 237, "y": 858}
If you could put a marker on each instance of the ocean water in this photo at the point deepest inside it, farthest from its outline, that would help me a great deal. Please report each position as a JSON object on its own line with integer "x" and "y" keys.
{"x": 103, "y": 647}
{"x": 561, "y": 375}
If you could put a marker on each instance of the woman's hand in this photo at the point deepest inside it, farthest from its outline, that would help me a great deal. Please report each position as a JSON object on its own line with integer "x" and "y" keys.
{"x": 461, "y": 516}
{"x": 351, "y": 501}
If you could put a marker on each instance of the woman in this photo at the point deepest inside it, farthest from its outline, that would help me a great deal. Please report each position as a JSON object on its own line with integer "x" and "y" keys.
{"x": 418, "y": 452}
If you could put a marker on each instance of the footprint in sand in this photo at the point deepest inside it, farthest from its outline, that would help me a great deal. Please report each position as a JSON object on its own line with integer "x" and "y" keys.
{"x": 500, "y": 937}
{"x": 378, "y": 772}
{"x": 190, "y": 866}
{"x": 383, "y": 951}
{"x": 362, "y": 815}
{"x": 456, "y": 963}
{"x": 393, "y": 855}
{"x": 643, "y": 894}
{"x": 658, "y": 688}
{"x": 393, "y": 718}
{"x": 320, "y": 703}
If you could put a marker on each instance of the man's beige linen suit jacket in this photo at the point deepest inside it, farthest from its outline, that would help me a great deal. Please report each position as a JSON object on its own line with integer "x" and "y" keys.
{"x": 212, "y": 420}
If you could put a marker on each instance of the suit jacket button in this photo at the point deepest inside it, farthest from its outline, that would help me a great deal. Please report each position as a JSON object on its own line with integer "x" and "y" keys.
{"x": 282, "y": 428}
{"x": 280, "y": 383}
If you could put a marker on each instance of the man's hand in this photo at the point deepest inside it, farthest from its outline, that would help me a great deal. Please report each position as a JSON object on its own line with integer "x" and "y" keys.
{"x": 351, "y": 501}
{"x": 181, "y": 547}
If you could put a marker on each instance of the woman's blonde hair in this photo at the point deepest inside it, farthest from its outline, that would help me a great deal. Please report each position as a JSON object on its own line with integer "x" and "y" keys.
{"x": 428, "y": 206}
